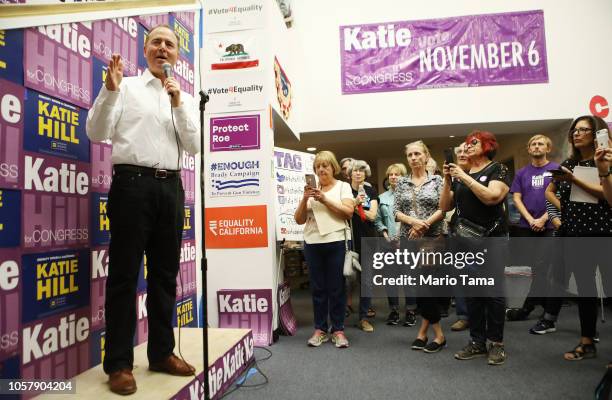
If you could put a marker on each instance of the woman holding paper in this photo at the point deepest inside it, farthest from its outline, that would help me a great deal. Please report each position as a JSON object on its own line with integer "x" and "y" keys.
{"x": 584, "y": 213}
{"x": 325, "y": 209}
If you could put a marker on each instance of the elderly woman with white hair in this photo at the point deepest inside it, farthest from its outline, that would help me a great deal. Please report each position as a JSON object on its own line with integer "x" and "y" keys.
{"x": 366, "y": 208}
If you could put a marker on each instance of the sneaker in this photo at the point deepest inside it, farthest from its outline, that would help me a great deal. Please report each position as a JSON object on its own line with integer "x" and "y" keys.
{"x": 460, "y": 325}
{"x": 371, "y": 312}
{"x": 340, "y": 340}
{"x": 497, "y": 354}
{"x": 365, "y": 325}
{"x": 472, "y": 350}
{"x": 434, "y": 347}
{"x": 543, "y": 327}
{"x": 410, "y": 318}
{"x": 517, "y": 314}
{"x": 393, "y": 318}
{"x": 318, "y": 338}
{"x": 418, "y": 344}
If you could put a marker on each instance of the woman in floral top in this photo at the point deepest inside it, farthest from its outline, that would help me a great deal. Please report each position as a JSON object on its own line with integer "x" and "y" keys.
{"x": 416, "y": 207}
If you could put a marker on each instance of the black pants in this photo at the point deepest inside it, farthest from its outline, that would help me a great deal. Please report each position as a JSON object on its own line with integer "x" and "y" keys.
{"x": 487, "y": 317}
{"x": 430, "y": 307}
{"x": 146, "y": 216}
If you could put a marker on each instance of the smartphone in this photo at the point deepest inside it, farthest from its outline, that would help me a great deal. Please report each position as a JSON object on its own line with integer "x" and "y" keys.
{"x": 311, "y": 181}
{"x": 601, "y": 138}
{"x": 449, "y": 155}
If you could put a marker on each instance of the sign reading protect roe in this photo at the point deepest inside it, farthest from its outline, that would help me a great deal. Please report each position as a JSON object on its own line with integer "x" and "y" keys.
{"x": 234, "y": 133}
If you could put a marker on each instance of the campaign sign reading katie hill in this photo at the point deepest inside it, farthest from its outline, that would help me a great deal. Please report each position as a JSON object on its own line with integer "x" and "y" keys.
{"x": 11, "y": 55}
{"x": 250, "y": 309}
{"x": 186, "y": 18}
{"x": 188, "y": 177}
{"x": 97, "y": 340}
{"x": 54, "y": 283}
{"x": 142, "y": 323}
{"x": 99, "y": 272}
{"x": 117, "y": 35}
{"x": 55, "y": 127}
{"x": 10, "y": 218}
{"x": 142, "y": 37}
{"x": 10, "y": 302}
{"x": 100, "y": 223}
{"x": 234, "y": 133}
{"x": 56, "y": 347}
{"x": 185, "y": 39}
{"x": 186, "y": 284}
{"x": 189, "y": 224}
{"x": 184, "y": 313}
{"x": 58, "y": 62}
{"x": 184, "y": 74}
{"x": 11, "y": 133}
{"x": 100, "y": 69}
{"x": 101, "y": 167}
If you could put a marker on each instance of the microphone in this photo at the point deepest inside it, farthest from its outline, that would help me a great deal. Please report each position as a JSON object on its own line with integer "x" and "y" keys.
{"x": 167, "y": 72}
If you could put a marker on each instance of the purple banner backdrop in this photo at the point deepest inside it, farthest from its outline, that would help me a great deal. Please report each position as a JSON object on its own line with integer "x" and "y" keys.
{"x": 10, "y": 218}
{"x": 188, "y": 178}
{"x": 150, "y": 21}
{"x": 54, "y": 127}
{"x": 248, "y": 308}
{"x": 11, "y": 133}
{"x": 184, "y": 74}
{"x": 186, "y": 284}
{"x": 11, "y": 55}
{"x": 99, "y": 272}
{"x": 56, "y": 347}
{"x": 186, "y": 18}
{"x": 189, "y": 225}
{"x": 185, "y": 39}
{"x": 142, "y": 36}
{"x": 117, "y": 35}
{"x": 96, "y": 346}
{"x": 287, "y": 318}
{"x": 234, "y": 133}
{"x": 54, "y": 283}
{"x": 54, "y": 221}
{"x": 10, "y": 304}
{"x": 142, "y": 324}
{"x": 494, "y": 49}
{"x": 58, "y": 62}
{"x": 223, "y": 372}
{"x": 100, "y": 223}
{"x": 48, "y": 174}
{"x": 101, "y": 167}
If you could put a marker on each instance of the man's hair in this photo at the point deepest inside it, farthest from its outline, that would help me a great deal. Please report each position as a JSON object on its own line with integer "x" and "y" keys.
{"x": 176, "y": 36}
{"x": 546, "y": 140}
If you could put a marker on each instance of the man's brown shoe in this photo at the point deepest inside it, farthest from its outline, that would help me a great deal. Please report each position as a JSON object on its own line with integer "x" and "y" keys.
{"x": 122, "y": 382}
{"x": 173, "y": 365}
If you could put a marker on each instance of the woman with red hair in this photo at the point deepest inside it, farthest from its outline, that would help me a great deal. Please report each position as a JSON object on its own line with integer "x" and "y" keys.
{"x": 478, "y": 196}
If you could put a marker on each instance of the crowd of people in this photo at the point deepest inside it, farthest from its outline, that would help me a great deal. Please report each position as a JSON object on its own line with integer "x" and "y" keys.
{"x": 466, "y": 197}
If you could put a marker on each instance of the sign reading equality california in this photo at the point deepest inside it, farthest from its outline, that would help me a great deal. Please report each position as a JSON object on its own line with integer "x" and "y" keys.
{"x": 478, "y": 50}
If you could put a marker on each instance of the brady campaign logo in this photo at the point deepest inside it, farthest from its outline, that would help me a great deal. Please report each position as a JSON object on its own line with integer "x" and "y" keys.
{"x": 236, "y": 227}
{"x": 235, "y": 178}
{"x": 234, "y": 133}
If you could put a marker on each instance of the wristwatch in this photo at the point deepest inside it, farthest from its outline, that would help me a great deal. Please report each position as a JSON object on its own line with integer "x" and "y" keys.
{"x": 605, "y": 175}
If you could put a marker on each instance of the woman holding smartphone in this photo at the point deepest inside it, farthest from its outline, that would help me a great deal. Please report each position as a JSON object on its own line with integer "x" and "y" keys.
{"x": 325, "y": 210}
{"x": 582, "y": 219}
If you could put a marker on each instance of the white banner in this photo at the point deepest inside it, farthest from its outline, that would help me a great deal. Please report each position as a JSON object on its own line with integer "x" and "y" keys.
{"x": 237, "y": 15}
{"x": 289, "y": 169}
{"x": 235, "y": 92}
{"x": 233, "y": 51}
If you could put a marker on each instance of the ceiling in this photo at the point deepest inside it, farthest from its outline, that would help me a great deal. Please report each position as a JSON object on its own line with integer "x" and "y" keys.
{"x": 372, "y": 144}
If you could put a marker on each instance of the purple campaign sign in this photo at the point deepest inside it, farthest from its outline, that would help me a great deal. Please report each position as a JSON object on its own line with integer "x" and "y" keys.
{"x": 287, "y": 318}
{"x": 117, "y": 35}
{"x": 56, "y": 347}
{"x": 184, "y": 313}
{"x": 189, "y": 224}
{"x": 186, "y": 18}
{"x": 151, "y": 21}
{"x": 57, "y": 61}
{"x": 99, "y": 272}
{"x": 101, "y": 167}
{"x": 142, "y": 323}
{"x": 186, "y": 284}
{"x": 234, "y": 133}
{"x": 478, "y": 50}
{"x": 251, "y": 309}
{"x": 11, "y": 55}
{"x": 10, "y": 304}
{"x": 184, "y": 74}
{"x": 11, "y": 133}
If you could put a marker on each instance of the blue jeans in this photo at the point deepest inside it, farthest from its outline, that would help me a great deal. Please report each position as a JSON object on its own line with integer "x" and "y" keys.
{"x": 325, "y": 264}
{"x": 461, "y": 308}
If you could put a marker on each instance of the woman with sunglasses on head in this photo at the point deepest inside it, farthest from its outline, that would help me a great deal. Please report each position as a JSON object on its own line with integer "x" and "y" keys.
{"x": 478, "y": 196}
{"x": 416, "y": 207}
{"x": 582, "y": 219}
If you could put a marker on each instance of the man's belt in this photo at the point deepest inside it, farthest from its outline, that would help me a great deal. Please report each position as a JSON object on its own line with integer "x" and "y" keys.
{"x": 146, "y": 171}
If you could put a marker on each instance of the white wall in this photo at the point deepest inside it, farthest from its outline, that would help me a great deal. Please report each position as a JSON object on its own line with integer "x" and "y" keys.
{"x": 579, "y": 64}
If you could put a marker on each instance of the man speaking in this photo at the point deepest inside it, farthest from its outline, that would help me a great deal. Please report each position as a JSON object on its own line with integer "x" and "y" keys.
{"x": 150, "y": 121}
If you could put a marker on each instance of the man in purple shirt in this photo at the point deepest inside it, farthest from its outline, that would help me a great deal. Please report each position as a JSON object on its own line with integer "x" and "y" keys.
{"x": 528, "y": 190}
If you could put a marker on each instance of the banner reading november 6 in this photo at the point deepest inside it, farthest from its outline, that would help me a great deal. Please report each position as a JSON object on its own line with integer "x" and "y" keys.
{"x": 478, "y": 50}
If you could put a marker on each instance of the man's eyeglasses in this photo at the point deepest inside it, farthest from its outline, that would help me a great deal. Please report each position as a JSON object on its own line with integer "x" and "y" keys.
{"x": 581, "y": 131}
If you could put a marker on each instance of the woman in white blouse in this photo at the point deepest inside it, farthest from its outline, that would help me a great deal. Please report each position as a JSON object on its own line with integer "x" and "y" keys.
{"x": 325, "y": 209}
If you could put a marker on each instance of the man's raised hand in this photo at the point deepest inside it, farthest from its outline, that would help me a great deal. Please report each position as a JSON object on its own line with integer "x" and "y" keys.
{"x": 114, "y": 73}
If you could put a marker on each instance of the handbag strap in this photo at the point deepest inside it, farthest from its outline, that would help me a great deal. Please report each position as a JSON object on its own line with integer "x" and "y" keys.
{"x": 477, "y": 179}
